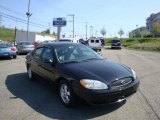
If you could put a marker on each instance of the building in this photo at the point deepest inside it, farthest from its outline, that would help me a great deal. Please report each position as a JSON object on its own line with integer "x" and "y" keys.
{"x": 33, "y": 37}
{"x": 139, "y": 32}
{"x": 151, "y": 20}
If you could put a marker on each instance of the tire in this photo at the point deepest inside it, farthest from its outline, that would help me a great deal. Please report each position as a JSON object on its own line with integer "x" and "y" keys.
{"x": 30, "y": 74}
{"x": 66, "y": 94}
{"x": 18, "y": 53}
{"x": 15, "y": 56}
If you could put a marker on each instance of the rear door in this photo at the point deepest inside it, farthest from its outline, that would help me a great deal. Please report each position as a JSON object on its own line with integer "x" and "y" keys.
{"x": 36, "y": 60}
{"x": 98, "y": 43}
{"x": 91, "y": 43}
{"x": 48, "y": 70}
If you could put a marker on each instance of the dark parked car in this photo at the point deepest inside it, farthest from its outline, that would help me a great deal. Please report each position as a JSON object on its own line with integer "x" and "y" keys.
{"x": 82, "y": 41}
{"x": 102, "y": 41}
{"x": 7, "y": 50}
{"x": 116, "y": 44}
{"x": 81, "y": 72}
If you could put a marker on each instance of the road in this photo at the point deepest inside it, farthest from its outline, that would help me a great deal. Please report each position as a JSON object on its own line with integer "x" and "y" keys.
{"x": 21, "y": 99}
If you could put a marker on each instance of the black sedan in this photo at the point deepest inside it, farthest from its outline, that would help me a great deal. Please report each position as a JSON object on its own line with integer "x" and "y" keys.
{"x": 81, "y": 73}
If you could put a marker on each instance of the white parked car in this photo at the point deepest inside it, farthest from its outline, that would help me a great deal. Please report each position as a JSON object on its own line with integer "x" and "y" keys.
{"x": 95, "y": 44}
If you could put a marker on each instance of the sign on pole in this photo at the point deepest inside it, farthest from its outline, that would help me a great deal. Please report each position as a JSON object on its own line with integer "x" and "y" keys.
{"x": 59, "y": 22}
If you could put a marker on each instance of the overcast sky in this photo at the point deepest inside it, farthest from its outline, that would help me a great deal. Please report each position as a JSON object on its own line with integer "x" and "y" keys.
{"x": 110, "y": 14}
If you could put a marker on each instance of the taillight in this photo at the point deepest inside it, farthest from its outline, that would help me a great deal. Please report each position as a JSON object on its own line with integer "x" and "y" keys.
{"x": 13, "y": 49}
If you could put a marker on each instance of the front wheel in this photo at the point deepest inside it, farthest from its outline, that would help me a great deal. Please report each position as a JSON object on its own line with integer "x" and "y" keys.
{"x": 66, "y": 94}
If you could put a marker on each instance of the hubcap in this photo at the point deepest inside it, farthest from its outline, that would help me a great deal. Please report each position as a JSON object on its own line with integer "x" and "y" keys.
{"x": 65, "y": 93}
{"x": 29, "y": 73}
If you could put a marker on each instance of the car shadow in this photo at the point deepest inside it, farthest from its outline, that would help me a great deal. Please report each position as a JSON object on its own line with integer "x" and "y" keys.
{"x": 5, "y": 58}
{"x": 42, "y": 97}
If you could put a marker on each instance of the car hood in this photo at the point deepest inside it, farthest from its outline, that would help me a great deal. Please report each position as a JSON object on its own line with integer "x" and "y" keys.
{"x": 102, "y": 70}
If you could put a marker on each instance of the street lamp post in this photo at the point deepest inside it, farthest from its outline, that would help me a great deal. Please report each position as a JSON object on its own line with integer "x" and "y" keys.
{"x": 28, "y": 16}
{"x": 72, "y": 15}
{"x": 86, "y": 30}
{"x": 91, "y": 31}
{"x": 136, "y": 30}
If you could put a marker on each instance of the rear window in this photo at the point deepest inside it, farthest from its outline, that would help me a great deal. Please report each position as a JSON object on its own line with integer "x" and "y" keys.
{"x": 97, "y": 41}
{"x": 37, "y": 53}
{"x": 92, "y": 41}
{"x": 4, "y": 45}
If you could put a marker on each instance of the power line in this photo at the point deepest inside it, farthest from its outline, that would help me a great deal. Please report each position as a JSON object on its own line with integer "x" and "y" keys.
{"x": 23, "y": 20}
{"x": 20, "y": 14}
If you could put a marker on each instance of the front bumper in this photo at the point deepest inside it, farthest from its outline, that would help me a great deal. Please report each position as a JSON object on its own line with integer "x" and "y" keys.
{"x": 116, "y": 46}
{"x": 107, "y": 96}
{"x": 96, "y": 48}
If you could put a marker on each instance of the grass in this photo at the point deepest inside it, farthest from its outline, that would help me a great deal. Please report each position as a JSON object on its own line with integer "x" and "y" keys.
{"x": 6, "y": 34}
{"x": 147, "y": 44}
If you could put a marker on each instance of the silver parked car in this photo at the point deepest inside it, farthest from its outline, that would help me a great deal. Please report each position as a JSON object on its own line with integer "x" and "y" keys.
{"x": 25, "y": 47}
{"x": 7, "y": 50}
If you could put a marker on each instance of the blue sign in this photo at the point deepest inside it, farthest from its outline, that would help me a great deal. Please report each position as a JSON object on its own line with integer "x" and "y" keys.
{"x": 58, "y": 22}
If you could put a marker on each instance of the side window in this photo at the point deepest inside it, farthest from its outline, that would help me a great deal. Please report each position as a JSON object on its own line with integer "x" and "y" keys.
{"x": 97, "y": 41}
{"x": 47, "y": 55}
{"x": 37, "y": 53}
{"x": 92, "y": 41}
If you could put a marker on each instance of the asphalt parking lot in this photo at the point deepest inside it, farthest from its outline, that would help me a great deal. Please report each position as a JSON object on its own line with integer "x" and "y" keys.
{"x": 21, "y": 99}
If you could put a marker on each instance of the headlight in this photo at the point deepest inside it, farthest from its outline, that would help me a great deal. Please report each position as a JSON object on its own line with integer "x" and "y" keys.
{"x": 134, "y": 74}
{"x": 93, "y": 84}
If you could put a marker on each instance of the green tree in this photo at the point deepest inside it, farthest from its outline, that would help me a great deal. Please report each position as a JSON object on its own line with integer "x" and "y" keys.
{"x": 121, "y": 32}
{"x": 156, "y": 29}
{"x": 103, "y": 31}
{"x": 144, "y": 33}
{"x": 54, "y": 33}
{"x": 46, "y": 31}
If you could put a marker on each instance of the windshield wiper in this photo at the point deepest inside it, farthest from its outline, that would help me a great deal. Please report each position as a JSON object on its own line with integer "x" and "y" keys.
{"x": 73, "y": 61}
{"x": 92, "y": 59}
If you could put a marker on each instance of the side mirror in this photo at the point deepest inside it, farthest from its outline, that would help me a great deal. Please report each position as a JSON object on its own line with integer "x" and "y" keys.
{"x": 99, "y": 53}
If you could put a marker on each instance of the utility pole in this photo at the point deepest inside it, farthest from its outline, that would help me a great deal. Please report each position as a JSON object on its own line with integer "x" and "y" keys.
{"x": 0, "y": 20}
{"x": 72, "y": 15}
{"x": 15, "y": 33}
{"x": 49, "y": 28}
{"x": 91, "y": 31}
{"x": 28, "y": 15}
{"x": 86, "y": 30}
{"x": 96, "y": 33}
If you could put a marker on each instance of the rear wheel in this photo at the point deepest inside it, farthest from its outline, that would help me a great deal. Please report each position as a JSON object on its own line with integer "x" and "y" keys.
{"x": 66, "y": 94}
{"x": 30, "y": 73}
{"x": 15, "y": 56}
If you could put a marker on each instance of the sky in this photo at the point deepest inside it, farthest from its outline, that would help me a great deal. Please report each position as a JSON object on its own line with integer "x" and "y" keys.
{"x": 112, "y": 15}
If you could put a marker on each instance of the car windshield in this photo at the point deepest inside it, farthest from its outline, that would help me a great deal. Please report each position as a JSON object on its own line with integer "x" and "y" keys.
{"x": 4, "y": 45}
{"x": 116, "y": 41}
{"x": 75, "y": 53}
{"x": 26, "y": 43}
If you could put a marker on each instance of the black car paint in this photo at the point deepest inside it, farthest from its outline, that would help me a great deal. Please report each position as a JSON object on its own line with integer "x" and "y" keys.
{"x": 116, "y": 44}
{"x": 103, "y": 70}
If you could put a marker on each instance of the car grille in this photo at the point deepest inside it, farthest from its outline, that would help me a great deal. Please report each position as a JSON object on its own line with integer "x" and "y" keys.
{"x": 121, "y": 83}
